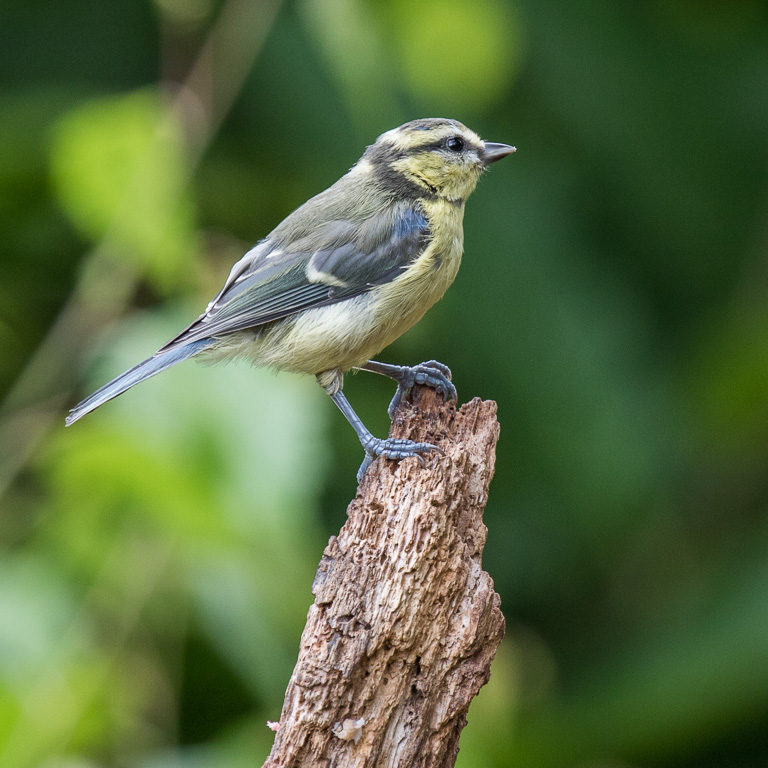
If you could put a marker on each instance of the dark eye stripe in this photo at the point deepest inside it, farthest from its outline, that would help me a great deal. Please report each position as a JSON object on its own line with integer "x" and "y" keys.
{"x": 424, "y": 147}
{"x": 435, "y": 145}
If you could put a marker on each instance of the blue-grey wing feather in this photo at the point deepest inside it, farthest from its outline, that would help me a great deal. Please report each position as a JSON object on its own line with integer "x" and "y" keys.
{"x": 372, "y": 259}
{"x": 343, "y": 259}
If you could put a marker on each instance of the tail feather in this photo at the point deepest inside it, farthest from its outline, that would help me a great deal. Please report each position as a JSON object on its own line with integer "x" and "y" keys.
{"x": 144, "y": 370}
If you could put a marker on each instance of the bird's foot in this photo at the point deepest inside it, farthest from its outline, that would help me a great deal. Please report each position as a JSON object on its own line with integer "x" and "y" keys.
{"x": 430, "y": 374}
{"x": 395, "y": 449}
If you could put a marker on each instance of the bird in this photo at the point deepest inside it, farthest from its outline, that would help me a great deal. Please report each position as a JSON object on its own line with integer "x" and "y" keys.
{"x": 344, "y": 275}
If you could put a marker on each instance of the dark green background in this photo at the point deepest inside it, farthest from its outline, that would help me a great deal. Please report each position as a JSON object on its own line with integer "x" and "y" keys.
{"x": 157, "y": 557}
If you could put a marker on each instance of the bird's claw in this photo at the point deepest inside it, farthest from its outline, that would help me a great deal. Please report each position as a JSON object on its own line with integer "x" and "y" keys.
{"x": 395, "y": 449}
{"x": 430, "y": 374}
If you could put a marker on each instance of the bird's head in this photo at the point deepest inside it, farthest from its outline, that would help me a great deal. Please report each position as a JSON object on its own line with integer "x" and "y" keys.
{"x": 433, "y": 156}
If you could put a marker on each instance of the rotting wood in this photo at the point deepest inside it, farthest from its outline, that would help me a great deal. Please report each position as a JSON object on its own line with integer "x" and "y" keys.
{"x": 405, "y": 621}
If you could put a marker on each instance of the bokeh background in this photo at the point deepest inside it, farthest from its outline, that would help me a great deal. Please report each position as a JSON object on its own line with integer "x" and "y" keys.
{"x": 156, "y": 559}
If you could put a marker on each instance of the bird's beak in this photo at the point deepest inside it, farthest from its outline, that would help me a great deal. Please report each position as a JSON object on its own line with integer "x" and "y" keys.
{"x": 494, "y": 152}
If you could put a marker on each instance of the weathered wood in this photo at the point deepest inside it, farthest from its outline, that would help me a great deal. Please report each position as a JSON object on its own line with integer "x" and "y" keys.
{"x": 405, "y": 622}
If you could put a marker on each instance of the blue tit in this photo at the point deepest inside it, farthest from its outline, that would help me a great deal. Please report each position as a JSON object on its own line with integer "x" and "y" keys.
{"x": 345, "y": 274}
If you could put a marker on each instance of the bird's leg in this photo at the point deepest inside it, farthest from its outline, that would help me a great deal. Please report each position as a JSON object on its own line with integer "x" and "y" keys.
{"x": 390, "y": 448}
{"x": 430, "y": 374}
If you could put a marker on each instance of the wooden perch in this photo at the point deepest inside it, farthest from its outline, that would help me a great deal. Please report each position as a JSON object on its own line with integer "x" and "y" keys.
{"x": 405, "y": 622}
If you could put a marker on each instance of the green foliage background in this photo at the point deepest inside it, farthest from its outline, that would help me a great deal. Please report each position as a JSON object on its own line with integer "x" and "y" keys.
{"x": 156, "y": 559}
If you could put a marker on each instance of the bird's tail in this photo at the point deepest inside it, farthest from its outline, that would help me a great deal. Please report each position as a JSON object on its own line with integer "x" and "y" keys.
{"x": 149, "y": 367}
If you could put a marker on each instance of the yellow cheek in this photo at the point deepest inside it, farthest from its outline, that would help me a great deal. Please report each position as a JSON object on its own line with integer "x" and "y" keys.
{"x": 453, "y": 182}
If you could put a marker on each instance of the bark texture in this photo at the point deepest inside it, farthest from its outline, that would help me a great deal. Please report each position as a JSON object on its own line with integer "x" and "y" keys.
{"x": 405, "y": 621}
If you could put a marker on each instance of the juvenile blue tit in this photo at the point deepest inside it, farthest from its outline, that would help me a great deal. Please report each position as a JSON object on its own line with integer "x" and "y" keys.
{"x": 345, "y": 274}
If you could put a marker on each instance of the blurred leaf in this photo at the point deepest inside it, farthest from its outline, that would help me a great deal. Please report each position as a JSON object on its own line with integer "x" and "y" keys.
{"x": 39, "y": 250}
{"x": 119, "y": 170}
{"x": 35, "y": 608}
{"x": 730, "y": 377}
{"x": 242, "y": 746}
{"x": 186, "y": 13}
{"x": 101, "y": 477}
{"x": 490, "y": 714}
{"x": 456, "y": 55}
{"x": 353, "y": 45}
{"x": 46, "y": 659}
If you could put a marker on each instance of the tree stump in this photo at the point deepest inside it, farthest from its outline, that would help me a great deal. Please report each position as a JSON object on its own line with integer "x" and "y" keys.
{"x": 405, "y": 621}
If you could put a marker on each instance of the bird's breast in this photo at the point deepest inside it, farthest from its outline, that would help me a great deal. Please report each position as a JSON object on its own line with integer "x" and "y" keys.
{"x": 427, "y": 278}
{"x": 401, "y": 303}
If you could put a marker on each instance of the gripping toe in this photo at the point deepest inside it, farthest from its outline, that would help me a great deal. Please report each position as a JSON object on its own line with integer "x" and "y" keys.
{"x": 395, "y": 449}
{"x": 429, "y": 374}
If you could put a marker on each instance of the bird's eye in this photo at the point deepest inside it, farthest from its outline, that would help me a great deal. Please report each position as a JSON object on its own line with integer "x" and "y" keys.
{"x": 455, "y": 144}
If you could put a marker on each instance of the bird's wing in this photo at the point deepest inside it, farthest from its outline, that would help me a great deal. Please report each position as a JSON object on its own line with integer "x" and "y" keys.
{"x": 341, "y": 259}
